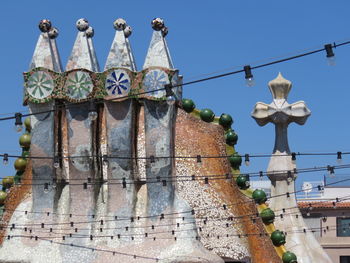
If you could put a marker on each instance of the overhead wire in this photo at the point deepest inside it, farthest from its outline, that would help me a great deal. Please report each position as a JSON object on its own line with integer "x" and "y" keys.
{"x": 334, "y": 45}
{"x": 163, "y": 215}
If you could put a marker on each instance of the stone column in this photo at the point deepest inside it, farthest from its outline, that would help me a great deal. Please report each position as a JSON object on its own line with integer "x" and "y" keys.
{"x": 281, "y": 114}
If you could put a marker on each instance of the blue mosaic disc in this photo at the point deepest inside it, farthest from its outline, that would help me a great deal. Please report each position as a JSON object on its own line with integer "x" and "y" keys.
{"x": 154, "y": 80}
{"x": 118, "y": 83}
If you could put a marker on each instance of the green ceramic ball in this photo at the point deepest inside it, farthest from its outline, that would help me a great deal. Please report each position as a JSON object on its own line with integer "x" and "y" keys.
{"x": 18, "y": 176}
{"x": 20, "y": 164}
{"x": 188, "y": 105}
{"x": 25, "y": 154}
{"x": 259, "y": 196}
{"x": 3, "y": 195}
{"x": 225, "y": 120}
{"x": 235, "y": 160}
{"x": 207, "y": 115}
{"x": 7, "y": 182}
{"x": 267, "y": 216}
{"x": 289, "y": 257}
{"x": 243, "y": 181}
{"x": 24, "y": 140}
{"x": 231, "y": 138}
{"x": 27, "y": 124}
{"x": 278, "y": 238}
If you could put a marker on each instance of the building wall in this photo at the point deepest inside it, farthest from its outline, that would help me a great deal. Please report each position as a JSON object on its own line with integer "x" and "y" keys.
{"x": 335, "y": 246}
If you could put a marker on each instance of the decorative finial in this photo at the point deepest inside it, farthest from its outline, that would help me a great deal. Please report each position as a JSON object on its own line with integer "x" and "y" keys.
{"x": 127, "y": 31}
{"x": 82, "y": 24}
{"x": 157, "y": 24}
{"x": 164, "y": 31}
{"x": 45, "y": 25}
{"x": 89, "y": 32}
{"x": 280, "y": 87}
{"x": 53, "y": 33}
{"x": 119, "y": 24}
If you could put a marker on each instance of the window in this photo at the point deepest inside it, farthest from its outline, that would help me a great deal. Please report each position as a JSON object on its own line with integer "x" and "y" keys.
{"x": 344, "y": 259}
{"x": 343, "y": 228}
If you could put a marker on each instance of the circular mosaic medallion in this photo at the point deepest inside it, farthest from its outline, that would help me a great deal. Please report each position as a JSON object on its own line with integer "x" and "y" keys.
{"x": 78, "y": 85}
{"x": 154, "y": 80}
{"x": 117, "y": 83}
{"x": 40, "y": 85}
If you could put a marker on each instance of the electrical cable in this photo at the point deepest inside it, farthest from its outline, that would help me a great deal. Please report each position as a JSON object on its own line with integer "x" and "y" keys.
{"x": 334, "y": 45}
{"x": 161, "y": 216}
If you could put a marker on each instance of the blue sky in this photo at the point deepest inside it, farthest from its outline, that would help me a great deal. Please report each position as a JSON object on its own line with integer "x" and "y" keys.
{"x": 206, "y": 37}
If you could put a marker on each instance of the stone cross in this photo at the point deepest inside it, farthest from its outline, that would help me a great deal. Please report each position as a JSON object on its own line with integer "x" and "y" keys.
{"x": 281, "y": 114}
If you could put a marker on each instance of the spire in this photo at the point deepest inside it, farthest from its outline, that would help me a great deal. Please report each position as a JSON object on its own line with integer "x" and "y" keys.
{"x": 83, "y": 52}
{"x": 90, "y": 32}
{"x": 46, "y": 53}
{"x": 158, "y": 52}
{"x": 120, "y": 54}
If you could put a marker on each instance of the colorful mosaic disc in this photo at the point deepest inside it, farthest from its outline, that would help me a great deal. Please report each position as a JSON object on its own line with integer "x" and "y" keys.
{"x": 154, "y": 80}
{"x": 118, "y": 83}
{"x": 79, "y": 85}
{"x": 40, "y": 85}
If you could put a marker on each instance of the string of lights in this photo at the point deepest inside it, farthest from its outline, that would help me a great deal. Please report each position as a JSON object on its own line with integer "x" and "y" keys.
{"x": 164, "y": 215}
{"x": 328, "y": 48}
{"x": 178, "y": 178}
{"x": 153, "y": 235}
{"x": 173, "y": 231}
{"x": 197, "y": 157}
{"x": 253, "y": 216}
{"x": 113, "y": 252}
{"x": 201, "y": 225}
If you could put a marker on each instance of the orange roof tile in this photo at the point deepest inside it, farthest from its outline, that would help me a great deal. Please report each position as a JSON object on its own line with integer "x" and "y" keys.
{"x": 323, "y": 204}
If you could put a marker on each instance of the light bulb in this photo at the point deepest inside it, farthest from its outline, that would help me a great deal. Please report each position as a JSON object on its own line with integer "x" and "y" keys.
{"x": 294, "y": 158}
{"x": 46, "y": 188}
{"x": 152, "y": 161}
{"x": 289, "y": 179}
{"x": 246, "y": 159}
{"x": 247, "y": 183}
{"x": 171, "y": 100}
{"x": 18, "y": 127}
{"x": 6, "y": 159}
{"x": 18, "y": 122}
{"x": 330, "y": 54}
{"x": 56, "y": 162}
{"x": 93, "y": 115}
{"x": 250, "y": 82}
{"x": 331, "y": 61}
{"x": 308, "y": 213}
{"x": 105, "y": 159}
{"x": 339, "y": 157}
{"x": 199, "y": 160}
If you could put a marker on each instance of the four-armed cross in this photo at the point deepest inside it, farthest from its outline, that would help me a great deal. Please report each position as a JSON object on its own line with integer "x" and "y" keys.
{"x": 281, "y": 171}
{"x": 280, "y": 113}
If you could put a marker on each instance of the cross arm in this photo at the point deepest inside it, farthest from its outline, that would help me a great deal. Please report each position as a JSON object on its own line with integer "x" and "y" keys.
{"x": 261, "y": 113}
